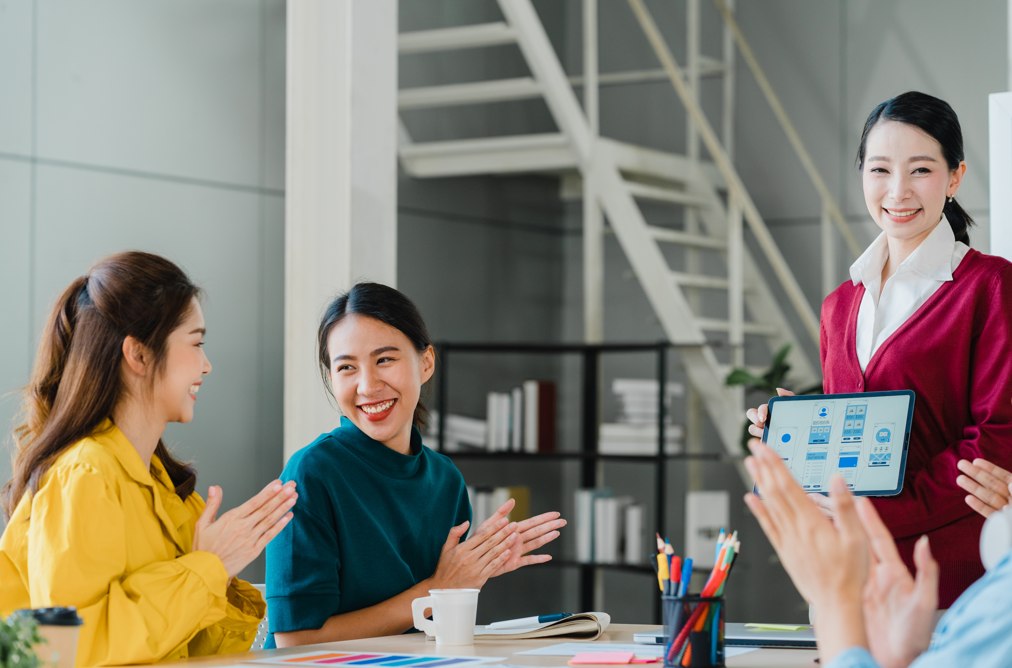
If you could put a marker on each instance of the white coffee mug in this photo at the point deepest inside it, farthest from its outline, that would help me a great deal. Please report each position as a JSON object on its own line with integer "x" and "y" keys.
{"x": 453, "y": 614}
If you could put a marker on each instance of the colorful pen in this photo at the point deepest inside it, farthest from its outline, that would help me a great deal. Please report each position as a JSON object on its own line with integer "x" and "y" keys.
{"x": 686, "y": 576}
{"x": 662, "y": 570}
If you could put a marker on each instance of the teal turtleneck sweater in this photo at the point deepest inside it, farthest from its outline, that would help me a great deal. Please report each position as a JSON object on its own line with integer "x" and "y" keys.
{"x": 369, "y": 524}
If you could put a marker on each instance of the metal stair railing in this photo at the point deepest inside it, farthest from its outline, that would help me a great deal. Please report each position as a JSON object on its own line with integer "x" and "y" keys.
{"x": 599, "y": 169}
{"x": 831, "y": 210}
{"x": 737, "y": 194}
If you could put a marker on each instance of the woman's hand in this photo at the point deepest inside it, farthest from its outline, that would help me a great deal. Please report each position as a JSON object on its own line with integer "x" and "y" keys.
{"x": 989, "y": 485}
{"x": 827, "y": 560}
{"x": 757, "y": 416}
{"x": 470, "y": 564}
{"x": 240, "y": 535}
{"x": 532, "y": 534}
{"x": 823, "y": 503}
{"x": 899, "y": 609}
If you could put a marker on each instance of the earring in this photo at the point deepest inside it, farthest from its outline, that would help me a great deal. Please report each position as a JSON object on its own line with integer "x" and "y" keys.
{"x": 950, "y": 199}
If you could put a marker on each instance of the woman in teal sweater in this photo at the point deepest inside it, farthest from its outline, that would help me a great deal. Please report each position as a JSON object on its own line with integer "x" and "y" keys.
{"x": 380, "y": 516}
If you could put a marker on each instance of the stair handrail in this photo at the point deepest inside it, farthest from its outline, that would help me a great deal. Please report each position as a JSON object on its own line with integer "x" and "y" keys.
{"x": 735, "y": 186}
{"x": 829, "y": 203}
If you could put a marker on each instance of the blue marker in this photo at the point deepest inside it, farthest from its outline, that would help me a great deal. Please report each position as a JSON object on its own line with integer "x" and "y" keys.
{"x": 686, "y": 574}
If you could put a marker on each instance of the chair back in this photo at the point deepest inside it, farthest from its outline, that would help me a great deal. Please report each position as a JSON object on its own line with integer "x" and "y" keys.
{"x": 261, "y": 637}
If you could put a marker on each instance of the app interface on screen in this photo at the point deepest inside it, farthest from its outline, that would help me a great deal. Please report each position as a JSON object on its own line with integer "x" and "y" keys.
{"x": 860, "y": 438}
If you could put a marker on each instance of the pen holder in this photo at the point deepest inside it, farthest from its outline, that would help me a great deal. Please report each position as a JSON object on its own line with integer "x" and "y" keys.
{"x": 693, "y": 631}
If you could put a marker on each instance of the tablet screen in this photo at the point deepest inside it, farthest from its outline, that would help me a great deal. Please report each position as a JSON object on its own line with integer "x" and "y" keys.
{"x": 863, "y": 437}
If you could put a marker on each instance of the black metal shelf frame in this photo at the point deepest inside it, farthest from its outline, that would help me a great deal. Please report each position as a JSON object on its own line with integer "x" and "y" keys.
{"x": 588, "y": 456}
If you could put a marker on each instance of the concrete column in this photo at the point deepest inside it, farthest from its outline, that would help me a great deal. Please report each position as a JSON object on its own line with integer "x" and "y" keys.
{"x": 341, "y": 180}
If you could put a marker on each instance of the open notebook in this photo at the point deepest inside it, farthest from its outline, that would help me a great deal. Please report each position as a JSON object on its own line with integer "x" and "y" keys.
{"x": 581, "y": 625}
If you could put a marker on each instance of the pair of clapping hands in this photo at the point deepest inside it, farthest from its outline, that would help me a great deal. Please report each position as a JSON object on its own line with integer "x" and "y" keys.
{"x": 848, "y": 567}
{"x": 497, "y": 547}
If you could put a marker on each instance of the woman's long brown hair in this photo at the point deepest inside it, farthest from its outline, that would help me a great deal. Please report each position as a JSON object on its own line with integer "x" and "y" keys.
{"x": 76, "y": 380}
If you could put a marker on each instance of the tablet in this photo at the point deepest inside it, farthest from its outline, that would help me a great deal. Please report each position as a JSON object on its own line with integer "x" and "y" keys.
{"x": 762, "y": 635}
{"x": 863, "y": 437}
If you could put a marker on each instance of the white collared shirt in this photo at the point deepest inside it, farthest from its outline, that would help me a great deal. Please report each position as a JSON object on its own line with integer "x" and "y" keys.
{"x": 918, "y": 277}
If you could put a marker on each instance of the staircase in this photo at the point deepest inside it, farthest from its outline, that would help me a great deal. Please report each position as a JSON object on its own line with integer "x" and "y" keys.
{"x": 619, "y": 178}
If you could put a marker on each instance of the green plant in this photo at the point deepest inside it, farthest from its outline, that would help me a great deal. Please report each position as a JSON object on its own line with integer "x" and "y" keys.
{"x": 19, "y": 633}
{"x": 775, "y": 376}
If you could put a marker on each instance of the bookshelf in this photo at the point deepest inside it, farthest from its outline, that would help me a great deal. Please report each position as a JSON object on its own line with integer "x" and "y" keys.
{"x": 587, "y": 456}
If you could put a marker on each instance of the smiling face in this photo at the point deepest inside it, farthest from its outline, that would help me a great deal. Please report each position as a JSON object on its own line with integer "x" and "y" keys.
{"x": 377, "y": 377}
{"x": 906, "y": 181}
{"x": 186, "y": 364}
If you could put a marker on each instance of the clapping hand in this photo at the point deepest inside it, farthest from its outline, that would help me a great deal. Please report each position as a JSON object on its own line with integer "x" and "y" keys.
{"x": 826, "y": 559}
{"x": 899, "y": 609}
{"x": 989, "y": 485}
{"x": 532, "y": 534}
{"x": 471, "y": 563}
{"x": 240, "y": 535}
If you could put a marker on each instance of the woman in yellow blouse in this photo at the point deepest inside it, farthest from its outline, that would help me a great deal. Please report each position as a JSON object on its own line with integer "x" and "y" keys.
{"x": 101, "y": 516}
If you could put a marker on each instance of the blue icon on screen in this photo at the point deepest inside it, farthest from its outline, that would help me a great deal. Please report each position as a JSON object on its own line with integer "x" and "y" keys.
{"x": 786, "y": 438}
{"x": 883, "y": 435}
{"x": 823, "y": 412}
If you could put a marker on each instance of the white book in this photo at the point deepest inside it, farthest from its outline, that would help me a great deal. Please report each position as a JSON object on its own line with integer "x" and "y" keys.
{"x": 491, "y": 413}
{"x": 498, "y": 496}
{"x": 530, "y": 393}
{"x": 583, "y": 519}
{"x": 463, "y": 424}
{"x": 645, "y": 386}
{"x": 617, "y": 519}
{"x": 604, "y": 537}
{"x": 633, "y": 545}
{"x": 517, "y": 422}
{"x": 504, "y": 422}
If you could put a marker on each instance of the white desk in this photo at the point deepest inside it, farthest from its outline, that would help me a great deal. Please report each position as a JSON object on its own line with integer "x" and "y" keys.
{"x": 415, "y": 643}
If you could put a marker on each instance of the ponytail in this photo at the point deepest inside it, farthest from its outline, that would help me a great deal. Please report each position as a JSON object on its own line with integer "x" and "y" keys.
{"x": 959, "y": 220}
{"x": 50, "y": 362}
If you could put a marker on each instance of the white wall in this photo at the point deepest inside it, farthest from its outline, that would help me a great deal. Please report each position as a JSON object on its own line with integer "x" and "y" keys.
{"x": 156, "y": 126}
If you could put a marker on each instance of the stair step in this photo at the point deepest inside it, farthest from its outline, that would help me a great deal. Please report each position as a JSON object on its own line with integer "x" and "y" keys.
{"x": 714, "y": 325}
{"x": 685, "y": 238}
{"x": 700, "y": 281}
{"x": 708, "y": 67}
{"x": 461, "y": 37}
{"x": 643, "y": 191}
{"x": 549, "y": 152}
{"x": 468, "y": 93}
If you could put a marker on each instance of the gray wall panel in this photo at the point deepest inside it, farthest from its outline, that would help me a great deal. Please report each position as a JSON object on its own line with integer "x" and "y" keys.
{"x": 16, "y": 345}
{"x": 16, "y": 25}
{"x": 167, "y": 86}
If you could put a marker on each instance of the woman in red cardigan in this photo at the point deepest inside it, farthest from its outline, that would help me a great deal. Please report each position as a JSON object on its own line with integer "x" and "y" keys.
{"x": 924, "y": 311}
